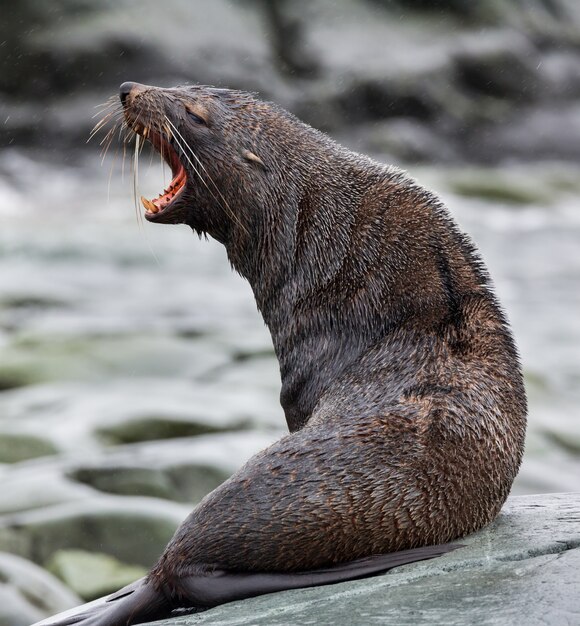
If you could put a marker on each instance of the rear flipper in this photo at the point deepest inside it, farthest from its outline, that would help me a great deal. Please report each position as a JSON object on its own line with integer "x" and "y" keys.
{"x": 140, "y": 602}
{"x": 137, "y": 603}
{"x": 217, "y": 587}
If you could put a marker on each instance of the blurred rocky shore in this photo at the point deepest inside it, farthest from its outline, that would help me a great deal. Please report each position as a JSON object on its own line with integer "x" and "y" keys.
{"x": 135, "y": 371}
{"x": 438, "y": 80}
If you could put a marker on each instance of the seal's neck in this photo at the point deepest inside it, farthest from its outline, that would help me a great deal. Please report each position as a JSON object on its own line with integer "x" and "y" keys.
{"x": 337, "y": 264}
{"x": 306, "y": 270}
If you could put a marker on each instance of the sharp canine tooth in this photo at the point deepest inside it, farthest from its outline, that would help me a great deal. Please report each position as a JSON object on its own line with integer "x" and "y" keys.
{"x": 150, "y": 206}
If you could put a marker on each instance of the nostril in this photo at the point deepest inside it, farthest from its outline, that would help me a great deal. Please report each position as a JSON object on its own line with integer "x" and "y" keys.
{"x": 125, "y": 90}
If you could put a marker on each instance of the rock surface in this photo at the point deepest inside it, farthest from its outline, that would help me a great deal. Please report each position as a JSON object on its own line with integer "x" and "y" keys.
{"x": 523, "y": 569}
{"x": 132, "y": 530}
{"x": 92, "y": 575}
{"x": 28, "y": 593}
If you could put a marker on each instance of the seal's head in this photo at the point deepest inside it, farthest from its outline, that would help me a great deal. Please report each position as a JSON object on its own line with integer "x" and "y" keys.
{"x": 211, "y": 139}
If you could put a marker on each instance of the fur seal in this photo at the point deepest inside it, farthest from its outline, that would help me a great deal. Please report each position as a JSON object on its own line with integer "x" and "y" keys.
{"x": 401, "y": 383}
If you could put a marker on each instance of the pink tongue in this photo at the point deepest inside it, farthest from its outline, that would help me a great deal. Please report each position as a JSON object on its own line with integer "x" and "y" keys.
{"x": 159, "y": 203}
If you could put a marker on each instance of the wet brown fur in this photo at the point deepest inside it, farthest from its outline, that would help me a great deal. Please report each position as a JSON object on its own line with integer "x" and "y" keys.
{"x": 400, "y": 380}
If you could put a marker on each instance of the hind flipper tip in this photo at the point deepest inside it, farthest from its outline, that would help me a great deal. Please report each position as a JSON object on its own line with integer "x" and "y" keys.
{"x": 135, "y": 604}
{"x": 77, "y": 615}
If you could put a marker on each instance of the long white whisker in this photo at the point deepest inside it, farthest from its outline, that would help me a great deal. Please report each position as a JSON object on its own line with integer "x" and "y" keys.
{"x": 183, "y": 149}
{"x": 136, "y": 172}
{"x": 138, "y": 147}
{"x": 194, "y": 168}
{"x": 112, "y": 111}
{"x": 107, "y": 117}
{"x": 107, "y": 141}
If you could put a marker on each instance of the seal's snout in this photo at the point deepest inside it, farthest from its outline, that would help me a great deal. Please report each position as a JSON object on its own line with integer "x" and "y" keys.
{"x": 125, "y": 89}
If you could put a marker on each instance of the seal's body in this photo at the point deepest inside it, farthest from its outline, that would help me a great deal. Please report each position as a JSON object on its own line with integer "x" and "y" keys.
{"x": 400, "y": 380}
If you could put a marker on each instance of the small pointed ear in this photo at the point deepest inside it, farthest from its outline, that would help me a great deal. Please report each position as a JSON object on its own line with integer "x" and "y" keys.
{"x": 250, "y": 156}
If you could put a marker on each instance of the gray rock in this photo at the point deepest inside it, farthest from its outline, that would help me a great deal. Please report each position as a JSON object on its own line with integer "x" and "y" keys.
{"x": 523, "y": 569}
{"x": 132, "y": 530}
{"x": 20, "y": 447}
{"x": 183, "y": 483}
{"x": 155, "y": 427}
{"x": 561, "y": 72}
{"x": 12, "y": 377}
{"x": 406, "y": 140}
{"x": 129, "y": 481}
{"x": 38, "y": 483}
{"x": 501, "y": 187}
{"x": 92, "y": 575}
{"x": 126, "y": 407}
{"x": 29, "y": 593}
{"x": 183, "y": 470}
{"x": 544, "y": 133}
{"x": 501, "y": 64}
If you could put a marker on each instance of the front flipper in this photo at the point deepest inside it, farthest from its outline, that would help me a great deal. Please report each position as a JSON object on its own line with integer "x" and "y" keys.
{"x": 217, "y": 587}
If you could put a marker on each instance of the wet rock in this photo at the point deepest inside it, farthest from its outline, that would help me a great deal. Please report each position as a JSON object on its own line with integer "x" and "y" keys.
{"x": 286, "y": 23}
{"x": 182, "y": 470}
{"x": 192, "y": 481}
{"x": 16, "y": 610}
{"x": 320, "y": 107}
{"x": 38, "y": 65}
{"x": 462, "y": 8}
{"x": 548, "y": 470}
{"x": 39, "y": 356}
{"x": 92, "y": 575}
{"x": 406, "y": 140}
{"x": 12, "y": 377}
{"x": 20, "y": 447}
{"x": 154, "y": 428}
{"x": 132, "y": 530}
{"x": 38, "y": 483}
{"x": 560, "y": 70}
{"x": 29, "y": 593}
{"x": 502, "y": 64}
{"x": 541, "y": 133}
{"x": 75, "y": 415}
{"x": 134, "y": 481}
{"x": 498, "y": 186}
{"x": 182, "y": 483}
{"x": 569, "y": 441}
{"x": 380, "y": 97}
{"x": 66, "y": 51}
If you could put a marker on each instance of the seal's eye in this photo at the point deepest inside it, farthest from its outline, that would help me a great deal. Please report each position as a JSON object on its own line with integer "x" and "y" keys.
{"x": 195, "y": 118}
{"x": 196, "y": 114}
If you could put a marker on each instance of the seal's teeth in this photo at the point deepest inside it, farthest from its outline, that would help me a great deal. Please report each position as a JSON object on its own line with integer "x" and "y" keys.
{"x": 150, "y": 206}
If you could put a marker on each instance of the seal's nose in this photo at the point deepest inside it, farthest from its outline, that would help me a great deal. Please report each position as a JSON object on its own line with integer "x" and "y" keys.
{"x": 125, "y": 89}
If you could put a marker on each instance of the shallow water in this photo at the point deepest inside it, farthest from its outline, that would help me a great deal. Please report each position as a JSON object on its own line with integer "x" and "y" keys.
{"x": 104, "y": 318}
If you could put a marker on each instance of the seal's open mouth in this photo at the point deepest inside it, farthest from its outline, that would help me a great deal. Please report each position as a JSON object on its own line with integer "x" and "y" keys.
{"x": 164, "y": 200}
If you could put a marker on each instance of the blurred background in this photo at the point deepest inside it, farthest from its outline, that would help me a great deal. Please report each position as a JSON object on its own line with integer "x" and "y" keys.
{"x": 135, "y": 371}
